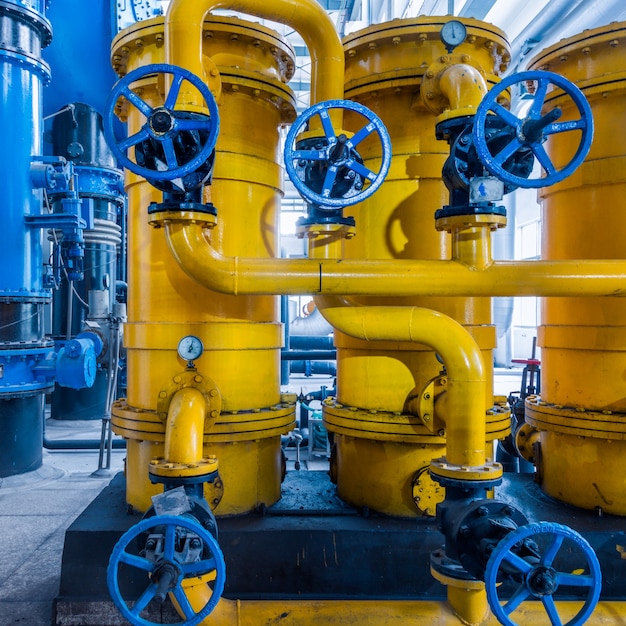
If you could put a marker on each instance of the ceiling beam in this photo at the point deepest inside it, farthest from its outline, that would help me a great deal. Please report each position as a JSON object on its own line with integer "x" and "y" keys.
{"x": 477, "y": 9}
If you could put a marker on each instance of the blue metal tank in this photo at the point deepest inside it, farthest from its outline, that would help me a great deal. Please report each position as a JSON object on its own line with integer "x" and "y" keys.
{"x": 23, "y": 293}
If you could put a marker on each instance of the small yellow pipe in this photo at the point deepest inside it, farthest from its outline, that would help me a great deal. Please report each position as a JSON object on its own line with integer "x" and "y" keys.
{"x": 184, "y": 430}
{"x": 465, "y": 426}
{"x": 183, "y": 37}
{"x": 463, "y": 86}
{"x": 233, "y": 275}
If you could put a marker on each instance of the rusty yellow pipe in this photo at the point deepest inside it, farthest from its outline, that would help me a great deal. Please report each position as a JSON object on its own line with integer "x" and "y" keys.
{"x": 183, "y": 37}
{"x": 184, "y": 429}
{"x": 465, "y": 426}
{"x": 390, "y": 277}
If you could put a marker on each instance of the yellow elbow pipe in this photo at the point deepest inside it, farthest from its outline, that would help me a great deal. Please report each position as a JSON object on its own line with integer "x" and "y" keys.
{"x": 389, "y": 277}
{"x": 183, "y": 37}
{"x": 184, "y": 430}
{"x": 465, "y": 425}
{"x": 464, "y": 87}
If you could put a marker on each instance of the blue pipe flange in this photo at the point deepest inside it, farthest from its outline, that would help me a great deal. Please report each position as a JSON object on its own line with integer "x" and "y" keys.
{"x": 175, "y": 548}
{"x": 528, "y": 133}
{"x": 176, "y": 154}
{"x": 530, "y": 558}
{"x": 327, "y": 170}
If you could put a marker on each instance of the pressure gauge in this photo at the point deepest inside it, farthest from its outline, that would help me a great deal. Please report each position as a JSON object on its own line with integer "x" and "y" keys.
{"x": 453, "y": 34}
{"x": 190, "y": 348}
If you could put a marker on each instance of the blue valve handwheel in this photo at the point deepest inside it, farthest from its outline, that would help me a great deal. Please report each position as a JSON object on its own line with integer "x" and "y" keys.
{"x": 337, "y": 156}
{"x": 530, "y": 132}
{"x": 539, "y": 578}
{"x": 213, "y": 563}
{"x": 161, "y": 124}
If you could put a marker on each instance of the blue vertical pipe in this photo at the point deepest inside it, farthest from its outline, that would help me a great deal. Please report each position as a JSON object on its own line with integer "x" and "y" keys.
{"x": 23, "y": 294}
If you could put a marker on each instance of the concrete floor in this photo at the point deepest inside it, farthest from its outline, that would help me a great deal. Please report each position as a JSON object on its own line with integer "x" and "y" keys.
{"x": 36, "y": 508}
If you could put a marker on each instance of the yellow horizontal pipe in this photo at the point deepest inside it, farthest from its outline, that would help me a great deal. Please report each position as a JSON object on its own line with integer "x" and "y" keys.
{"x": 184, "y": 430}
{"x": 183, "y": 36}
{"x": 465, "y": 425}
{"x": 388, "y": 277}
{"x": 378, "y": 612}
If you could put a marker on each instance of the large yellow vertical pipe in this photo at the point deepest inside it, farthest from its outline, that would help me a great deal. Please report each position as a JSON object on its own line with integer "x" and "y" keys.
{"x": 242, "y": 335}
{"x": 386, "y": 67}
{"x": 581, "y": 413}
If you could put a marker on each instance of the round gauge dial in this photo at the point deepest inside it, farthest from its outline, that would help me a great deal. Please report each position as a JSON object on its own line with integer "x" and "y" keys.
{"x": 190, "y": 348}
{"x": 453, "y": 34}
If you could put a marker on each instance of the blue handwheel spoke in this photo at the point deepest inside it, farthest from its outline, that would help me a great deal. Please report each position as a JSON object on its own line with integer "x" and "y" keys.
{"x": 172, "y": 96}
{"x": 144, "y": 599}
{"x": 542, "y": 156}
{"x": 136, "y": 561}
{"x": 358, "y": 137}
{"x": 550, "y": 607}
{"x": 504, "y": 114}
{"x": 193, "y": 124}
{"x": 170, "y": 154}
{"x": 574, "y": 580}
{"x": 563, "y": 127}
{"x": 359, "y": 168}
{"x": 133, "y": 98}
{"x": 183, "y": 601}
{"x": 169, "y": 542}
{"x": 516, "y": 599}
{"x": 329, "y": 181}
{"x": 191, "y": 569}
{"x": 309, "y": 155}
{"x": 327, "y": 125}
{"x": 517, "y": 562}
{"x": 539, "y": 97}
{"x": 133, "y": 140}
{"x": 508, "y": 151}
{"x": 552, "y": 550}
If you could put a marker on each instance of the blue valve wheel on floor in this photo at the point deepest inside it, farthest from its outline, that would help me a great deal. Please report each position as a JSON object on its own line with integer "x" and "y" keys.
{"x": 166, "y": 574}
{"x": 530, "y": 131}
{"x": 326, "y": 167}
{"x": 534, "y": 570}
{"x": 183, "y": 141}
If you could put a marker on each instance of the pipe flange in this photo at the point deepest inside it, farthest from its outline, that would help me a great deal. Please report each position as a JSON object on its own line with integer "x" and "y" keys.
{"x": 427, "y": 493}
{"x": 486, "y": 474}
{"x": 421, "y": 402}
{"x": 204, "y": 469}
{"x": 191, "y": 378}
{"x": 204, "y": 215}
{"x": 526, "y": 438}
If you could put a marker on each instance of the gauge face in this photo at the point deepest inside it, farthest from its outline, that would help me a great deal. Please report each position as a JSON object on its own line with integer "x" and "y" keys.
{"x": 453, "y": 34}
{"x": 190, "y": 348}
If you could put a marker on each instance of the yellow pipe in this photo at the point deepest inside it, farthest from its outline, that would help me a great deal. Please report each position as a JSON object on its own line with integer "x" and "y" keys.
{"x": 465, "y": 426}
{"x": 183, "y": 37}
{"x": 390, "y": 277}
{"x": 184, "y": 430}
{"x": 379, "y": 612}
{"x": 464, "y": 87}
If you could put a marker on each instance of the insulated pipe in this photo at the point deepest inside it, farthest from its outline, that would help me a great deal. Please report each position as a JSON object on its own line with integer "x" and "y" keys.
{"x": 184, "y": 430}
{"x": 465, "y": 425}
{"x": 237, "y": 275}
{"x": 183, "y": 36}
